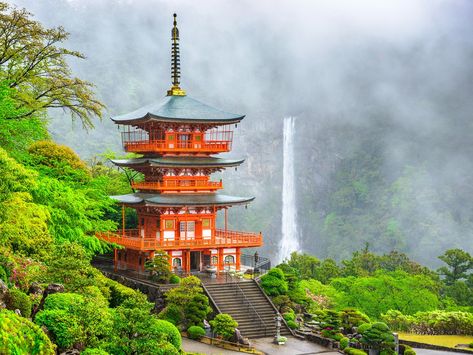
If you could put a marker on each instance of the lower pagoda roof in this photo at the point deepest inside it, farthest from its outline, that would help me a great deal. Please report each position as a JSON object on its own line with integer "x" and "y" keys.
{"x": 181, "y": 200}
{"x": 187, "y": 162}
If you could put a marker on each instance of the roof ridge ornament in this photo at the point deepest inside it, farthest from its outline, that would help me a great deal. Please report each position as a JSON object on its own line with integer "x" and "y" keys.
{"x": 175, "y": 62}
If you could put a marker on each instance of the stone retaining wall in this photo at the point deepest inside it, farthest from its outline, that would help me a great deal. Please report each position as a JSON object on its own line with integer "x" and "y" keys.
{"x": 415, "y": 344}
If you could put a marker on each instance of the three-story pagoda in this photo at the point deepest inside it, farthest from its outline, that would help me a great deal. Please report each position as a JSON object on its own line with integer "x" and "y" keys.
{"x": 177, "y": 201}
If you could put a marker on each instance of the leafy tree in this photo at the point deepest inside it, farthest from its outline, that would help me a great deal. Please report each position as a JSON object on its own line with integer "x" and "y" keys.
{"x": 379, "y": 336}
{"x": 224, "y": 325}
{"x": 459, "y": 263}
{"x": 159, "y": 266}
{"x": 305, "y": 264}
{"x": 327, "y": 270}
{"x": 21, "y": 336}
{"x": 460, "y": 293}
{"x": 34, "y": 63}
{"x": 351, "y": 318}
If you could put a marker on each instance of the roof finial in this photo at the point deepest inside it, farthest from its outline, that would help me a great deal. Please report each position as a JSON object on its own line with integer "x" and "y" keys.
{"x": 175, "y": 62}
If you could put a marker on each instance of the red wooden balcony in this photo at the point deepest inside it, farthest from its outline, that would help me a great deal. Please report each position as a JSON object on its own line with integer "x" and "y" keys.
{"x": 167, "y": 147}
{"x": 131, "y": 239}
{"x": 181, "y": 184}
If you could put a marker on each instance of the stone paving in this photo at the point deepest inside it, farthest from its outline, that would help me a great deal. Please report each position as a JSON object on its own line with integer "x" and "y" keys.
{"x": 294, "y": 346}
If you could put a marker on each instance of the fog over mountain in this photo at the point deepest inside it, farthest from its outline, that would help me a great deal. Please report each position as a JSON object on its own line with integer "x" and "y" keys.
{"x": 382, "y": 92}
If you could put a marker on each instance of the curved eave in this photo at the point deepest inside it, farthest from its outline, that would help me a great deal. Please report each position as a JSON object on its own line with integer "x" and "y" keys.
{"x": 149, "y": 117}
{"x": 183, "y": 200}
{"x": 182, "y": 162}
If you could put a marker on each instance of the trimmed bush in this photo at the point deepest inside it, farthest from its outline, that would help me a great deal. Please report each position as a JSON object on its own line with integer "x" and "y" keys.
{"x": 344, "y": 342}
{"x": 195, "y": 332}
{"x": 274, "y": 282}
{"x": 63, "y": 326}
{"x": 165, "y": 348}
{"x": 224, "y": 325}
{"x": 18, "y": 335}
{"x": 169, "y": 332}
{"x": 291, "y": 324}
{"x": 409, "y": 352}
{"x": 174, "y": 279}
{"x": 363, "y": 327}
{"x": 64, "y": 301}
{"x": 353, "y": 351}
{"x": 470, "y": 345}
{"x": 19, "y": 300}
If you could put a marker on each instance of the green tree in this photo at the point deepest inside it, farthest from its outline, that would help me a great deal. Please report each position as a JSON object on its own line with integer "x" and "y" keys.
{"x": 459, "y": 263}
{"x": 34, "y": 63}
{"x": 274, "y": 282}
{"x": 159, "y": 266}
{"x": 224, "y": 325}
{"x": 305, "y": 264}
{"x": 327, "y": 270}
{"x": 197, "y": 310}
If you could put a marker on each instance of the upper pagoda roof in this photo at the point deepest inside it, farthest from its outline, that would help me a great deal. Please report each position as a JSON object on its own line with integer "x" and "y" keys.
{"x": 174, "y": 108}
{"x": 181, "y": 200}
{"x": 167, "y": 162}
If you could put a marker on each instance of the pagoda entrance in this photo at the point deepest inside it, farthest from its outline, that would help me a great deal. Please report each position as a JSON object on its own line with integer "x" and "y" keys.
{"x": 195, "y": 261}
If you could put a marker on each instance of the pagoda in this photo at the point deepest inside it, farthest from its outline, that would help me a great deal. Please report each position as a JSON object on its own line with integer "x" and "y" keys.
{"x": 176, "y": 201}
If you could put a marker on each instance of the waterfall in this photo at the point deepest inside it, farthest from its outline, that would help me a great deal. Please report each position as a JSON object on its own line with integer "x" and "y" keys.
{"x": 290, "y": 239}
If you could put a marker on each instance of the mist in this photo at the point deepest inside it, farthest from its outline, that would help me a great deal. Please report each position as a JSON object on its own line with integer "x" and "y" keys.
{"x": 382, "y": 92}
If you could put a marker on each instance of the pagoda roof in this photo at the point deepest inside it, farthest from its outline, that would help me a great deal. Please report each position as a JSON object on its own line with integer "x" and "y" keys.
{"x": 181, "y": 200}
{"x": 178, "y": 109}
{"x": 165, "y": 162}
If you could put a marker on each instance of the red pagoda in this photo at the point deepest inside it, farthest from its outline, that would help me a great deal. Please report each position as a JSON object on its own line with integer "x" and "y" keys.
{"x": 177, "y": 202}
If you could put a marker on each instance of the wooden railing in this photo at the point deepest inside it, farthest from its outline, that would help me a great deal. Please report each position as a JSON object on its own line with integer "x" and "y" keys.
{"x": 131, "y": 239}
{"x": 163, "y": 146}
{"x": 178, "y": 185}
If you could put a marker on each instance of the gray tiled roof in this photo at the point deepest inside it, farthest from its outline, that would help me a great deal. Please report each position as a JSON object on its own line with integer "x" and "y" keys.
{"x": 178, "y": 200}
{"x": 205, "y": 162}
{"x": 178, "y": 109}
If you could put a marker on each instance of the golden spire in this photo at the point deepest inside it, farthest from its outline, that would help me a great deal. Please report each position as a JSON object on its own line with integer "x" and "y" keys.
{"x": 175, "y": 63}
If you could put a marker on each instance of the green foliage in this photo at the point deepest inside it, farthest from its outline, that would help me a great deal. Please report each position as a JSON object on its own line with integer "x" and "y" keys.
{"x": 344, "y": 342}
{"x": 304, "y": 263}
{"x": 409, "y": 352}
{"x": 289, "y": 316}
{"x": 398, "y": 321}
{"x": 351, "y": 318}
{"x": 331, "y": 321}
{"x": 283, "y": 303}
{"x": 353, "y": 351}
{"x": 195, "y": 332}
{"x": 20, "y": 336}
{"x": 224, "y": 325}
{"x": 18, "y": 300}
{"x": 378, "y": 336}
{"x": 159, "y": 267}
{"x": 64, "y": 327}
{"x": 292, "y": 324}
{"x": 35, "y": 64}
{"x": 460, "y": 292}
{"x": 174, "y": 279}
{"x": 274, "y": 282}
{"x": 377, "y": 294}
{"x": 173, "y": 314}
{"x": 120, "y": 294}
{"x": 197, "y": 310}
{"x": 320, "y": 296}
{"x": 459, "y": 263}
{"x": 363, "y": 327}
{"x": 94, "y": 351}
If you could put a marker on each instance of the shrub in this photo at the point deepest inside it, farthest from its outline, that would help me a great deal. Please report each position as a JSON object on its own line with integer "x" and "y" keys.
{"x": 353, "y": 351}
{"x": 172, "y": 314}
{"x": 64, "y": 327}
{"x": 406, "y": 349}
{"x": 291, "y": 324}
{"x": 289, "y": 316}
{"x": 64, "y": 301}
{"x": 164, "y": 348}
{"x": 344, "y": 343}
{"x": 409, "y": 352}
{"x": 120, "y": 293}
{"x": 19, "y": 300}
{"x": 283, "y": 303}
{"x": 197, "y": 310}
{"x": 174, "y": 279}
{"x": 331, "y": 320}
{"x": 398, "y": 321}
{"x": 224, "y": 325}
{"x": 20, "y": 336}
{"x": 94, "y": 351}
{"x": 195, "y": 332}
{"x": 470, "y": 345}
{"x": 274, "y": 282}
{"x": 337, "y": 336}
{"x": 351, "y": 318}
{"x": 169, "y": 332}
{"x": 378, "y": 336}
{"x": 363, "y": 327}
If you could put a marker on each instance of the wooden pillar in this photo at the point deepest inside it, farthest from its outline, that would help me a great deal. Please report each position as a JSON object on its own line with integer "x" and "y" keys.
{"x": 115, "y": 259}
{"x": 188, "y": 262}
{"x": 220, "y": 259}
{"x": 123, "y": 220}
{"x": 226, "y": 224}
{"x": 170, "y": 259}
{"x": 237, "y": 261}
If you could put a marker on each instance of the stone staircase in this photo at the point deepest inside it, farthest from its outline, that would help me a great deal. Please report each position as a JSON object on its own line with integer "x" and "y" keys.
{"x": 249, "y": 306}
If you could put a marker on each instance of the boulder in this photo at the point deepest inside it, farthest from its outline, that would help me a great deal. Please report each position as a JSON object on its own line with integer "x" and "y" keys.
{"x": 238, "y": 338}
{"x": 51, "y": 289}
{"x": 35, "y": 289}
{"x": 3, "y": 294}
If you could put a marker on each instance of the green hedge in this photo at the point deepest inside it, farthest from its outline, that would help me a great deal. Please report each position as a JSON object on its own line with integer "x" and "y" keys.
{"x": 17, "y": 299}
{"x": 353, "y": 351}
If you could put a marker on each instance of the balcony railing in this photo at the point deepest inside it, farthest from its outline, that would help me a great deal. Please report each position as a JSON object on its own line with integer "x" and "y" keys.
{"x": 178, "y": 185}
{"x": 163, "y": 146}
{"x": 131, "y": 239}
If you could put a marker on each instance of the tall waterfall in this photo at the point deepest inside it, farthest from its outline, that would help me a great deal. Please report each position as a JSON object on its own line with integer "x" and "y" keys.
{"x": 290, "y": 238}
